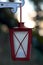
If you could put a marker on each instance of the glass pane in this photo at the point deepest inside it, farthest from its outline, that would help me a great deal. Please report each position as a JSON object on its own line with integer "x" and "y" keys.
{"x": 20, "y": 53}
{"x": 20, "y": 36}
{"x": 25, "y": 44}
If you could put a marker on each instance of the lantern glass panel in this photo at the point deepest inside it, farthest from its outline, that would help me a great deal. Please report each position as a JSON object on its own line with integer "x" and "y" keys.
{"x": 20, "y": 43}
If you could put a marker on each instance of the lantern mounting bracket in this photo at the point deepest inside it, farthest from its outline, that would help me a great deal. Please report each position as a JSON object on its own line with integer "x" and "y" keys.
{"x": 13, "y": 5}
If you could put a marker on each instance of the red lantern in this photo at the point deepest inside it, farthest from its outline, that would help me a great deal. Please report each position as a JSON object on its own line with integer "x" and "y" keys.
{"x": 20, "y": 41}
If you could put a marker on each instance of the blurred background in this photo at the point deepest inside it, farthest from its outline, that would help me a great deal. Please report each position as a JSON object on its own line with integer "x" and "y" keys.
{"x": 32, "y": 16}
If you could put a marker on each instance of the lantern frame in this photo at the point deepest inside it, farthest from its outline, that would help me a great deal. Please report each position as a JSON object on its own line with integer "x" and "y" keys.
{"x": 12, "y": 43}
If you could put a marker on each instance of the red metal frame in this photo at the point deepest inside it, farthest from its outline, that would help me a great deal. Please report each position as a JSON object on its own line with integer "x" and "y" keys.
{"x": 12, "y": 42}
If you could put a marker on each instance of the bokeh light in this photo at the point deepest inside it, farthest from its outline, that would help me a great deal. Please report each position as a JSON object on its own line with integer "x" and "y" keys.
{"x": 41, "y": 24}
{"x": 41, "y": 5}
{"x": 28, "y": 13}
{"x": 40, "y": 31}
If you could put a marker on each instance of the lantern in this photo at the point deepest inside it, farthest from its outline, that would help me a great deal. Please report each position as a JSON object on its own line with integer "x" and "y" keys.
{"x": 20, "y": 41}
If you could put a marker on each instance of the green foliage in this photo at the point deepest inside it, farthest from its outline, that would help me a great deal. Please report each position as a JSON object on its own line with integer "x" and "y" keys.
{"x": 40, "y": 38}
{"x": 7, "y": 17}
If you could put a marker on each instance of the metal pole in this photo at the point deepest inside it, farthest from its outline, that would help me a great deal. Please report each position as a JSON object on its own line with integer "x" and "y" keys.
{"x": 20, "y": 15}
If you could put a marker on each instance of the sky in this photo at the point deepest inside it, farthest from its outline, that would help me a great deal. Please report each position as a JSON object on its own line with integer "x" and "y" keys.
{"x": 28, "y": 12}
